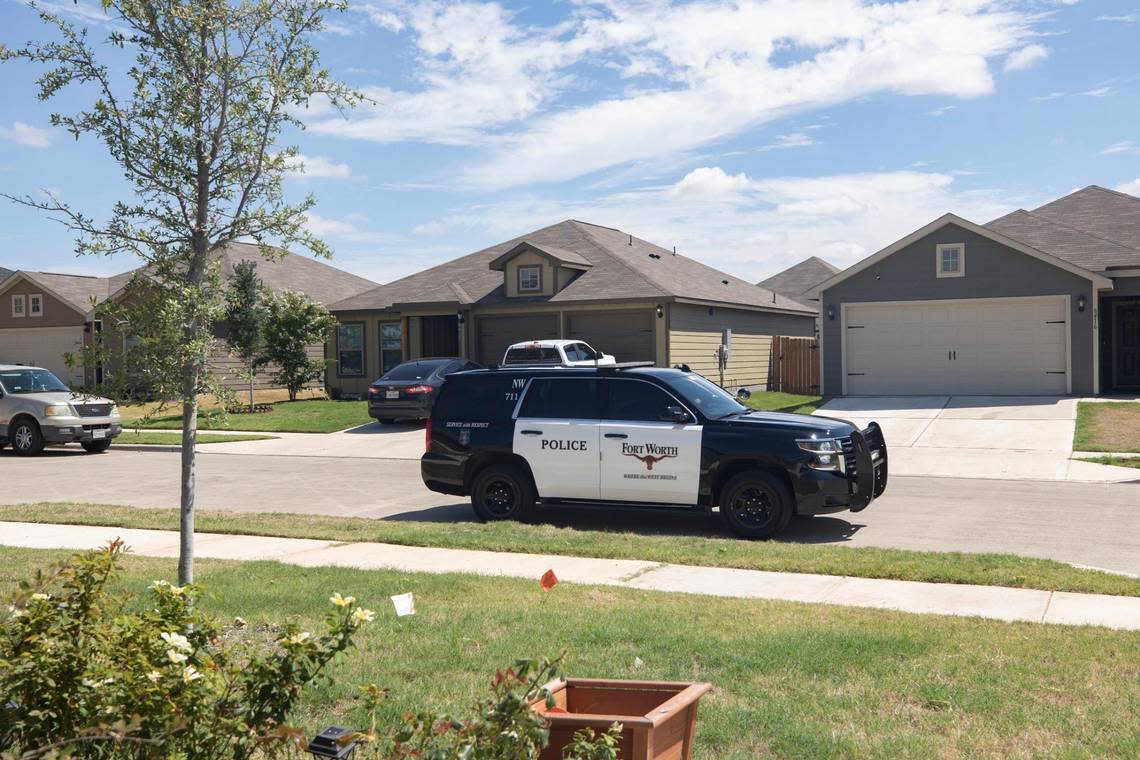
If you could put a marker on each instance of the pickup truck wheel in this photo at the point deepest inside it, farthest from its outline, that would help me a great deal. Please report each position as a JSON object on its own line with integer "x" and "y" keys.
{"x": 95, "y": 447}
{"x": 755, "y": 504}
{"x": 502, "y": 492}
{"x": 27, "y": 440}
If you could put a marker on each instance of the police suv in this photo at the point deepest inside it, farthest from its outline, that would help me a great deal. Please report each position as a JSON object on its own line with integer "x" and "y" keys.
{"x": 633, "y": 435}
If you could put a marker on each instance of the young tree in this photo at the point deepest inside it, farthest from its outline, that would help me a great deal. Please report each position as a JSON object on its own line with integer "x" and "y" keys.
{"x": 293, "y": 322}
{"x": 245, "y": 318}
{"x": 192, "y": 122}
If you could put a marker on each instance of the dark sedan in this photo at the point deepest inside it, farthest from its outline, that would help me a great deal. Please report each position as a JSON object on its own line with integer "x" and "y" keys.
{"x": 407, "y": 391}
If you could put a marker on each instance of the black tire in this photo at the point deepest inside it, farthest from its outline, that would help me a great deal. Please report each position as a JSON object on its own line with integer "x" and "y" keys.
{"x": 26, "y": 438}
{"x": 503, "y": 492}
{"x": 95, "y": 447}
{"x": 756, "y": 504}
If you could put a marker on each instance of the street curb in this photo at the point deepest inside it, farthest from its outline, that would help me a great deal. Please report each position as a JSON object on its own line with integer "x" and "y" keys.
{"x": 145, "y": 447}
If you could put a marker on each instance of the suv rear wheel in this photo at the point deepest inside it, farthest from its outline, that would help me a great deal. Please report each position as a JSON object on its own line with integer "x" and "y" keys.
{"x": 26, "y": 438}
{"x": 756, "y": 504}
{"x": 502, "y": 492}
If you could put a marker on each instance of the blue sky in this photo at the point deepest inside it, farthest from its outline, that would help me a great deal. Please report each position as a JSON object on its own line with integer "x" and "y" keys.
{"x": 748, "y": 134}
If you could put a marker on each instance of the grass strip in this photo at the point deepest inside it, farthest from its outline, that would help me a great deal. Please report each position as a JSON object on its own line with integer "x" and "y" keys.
{"x": 1107, "y": 426}
{"x": 864, "y": 562}
{"x": 1115, "y": 461}
{"x": 790, "y": 680}
{"x": 305, "y": 416}
{"x": 154, "y": 438}
{"x": 775, "y": 401}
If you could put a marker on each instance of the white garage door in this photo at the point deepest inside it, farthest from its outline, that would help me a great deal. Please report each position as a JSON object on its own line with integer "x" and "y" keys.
{"x": 43, "y": 347}
{"x": 977, "y": 346}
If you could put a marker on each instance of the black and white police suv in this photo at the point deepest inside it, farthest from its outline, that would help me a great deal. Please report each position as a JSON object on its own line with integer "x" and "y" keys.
{"x": 637, "y": 436}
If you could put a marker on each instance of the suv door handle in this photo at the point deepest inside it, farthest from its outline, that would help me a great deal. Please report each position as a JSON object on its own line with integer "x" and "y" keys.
{"x": 531, "y": 432}
{"x": 616, "y": 435}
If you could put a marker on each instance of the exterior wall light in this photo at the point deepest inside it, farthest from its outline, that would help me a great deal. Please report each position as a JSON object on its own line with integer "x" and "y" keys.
{"x": 660, "y": 311}
{"x": 459, "y": 316}
{"x": 336, "y": 742}
{"x": 1081, "y": 302}
{"x": 831, "y": 313}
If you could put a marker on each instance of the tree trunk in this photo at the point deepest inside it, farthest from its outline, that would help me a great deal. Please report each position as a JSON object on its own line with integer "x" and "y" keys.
{"x": 189, "y": 466}
{"x": 251, "y": 386}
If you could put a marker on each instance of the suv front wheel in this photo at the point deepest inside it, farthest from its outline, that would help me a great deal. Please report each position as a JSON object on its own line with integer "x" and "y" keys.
{"x": 756, "y": 504}
{"x": 502, "y": 492}
{"x": 26, "y": 438}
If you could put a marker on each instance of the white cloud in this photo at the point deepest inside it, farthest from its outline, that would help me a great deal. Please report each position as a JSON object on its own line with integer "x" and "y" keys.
{"x": 1124, "y": 18}
{"x": 323, "y": 226}
{"x": 793, "y": 140}
{"x": 941, "y": 111}
{"x": 1132, "y": 188}
{"x": 318, "y": 166}
{"x": 690, "y": 74}
{"x": 25, "y": 134}
{"x": 1027, "y": 57}
{"x": 1124, "y": 146}
{"x": 749, "y": 227}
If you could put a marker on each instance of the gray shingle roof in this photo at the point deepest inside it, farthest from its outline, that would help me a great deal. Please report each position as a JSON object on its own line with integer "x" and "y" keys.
{"x": 321, "y": 282}
{"x": 798, "y": 280}
{"x": 1094, "y": 228}
{"x": 5, "y": 273}
{"x": 621, "y": 267}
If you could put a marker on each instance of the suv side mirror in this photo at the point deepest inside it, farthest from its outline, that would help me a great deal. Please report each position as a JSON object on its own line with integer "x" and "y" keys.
{"x": 676, "y": 414}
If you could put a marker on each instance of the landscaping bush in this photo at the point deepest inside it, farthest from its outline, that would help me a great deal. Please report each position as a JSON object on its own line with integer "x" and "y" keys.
{"x": 86, "y": 673}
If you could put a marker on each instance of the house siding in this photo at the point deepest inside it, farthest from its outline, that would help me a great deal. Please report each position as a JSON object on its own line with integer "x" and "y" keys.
{"x": 992, "y": 270}
{"x": 56, "y": 313}
{"x": 695, "y": 333}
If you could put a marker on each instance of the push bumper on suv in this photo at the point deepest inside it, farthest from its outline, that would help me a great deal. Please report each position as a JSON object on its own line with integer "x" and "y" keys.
{"x": 863, "y": 480}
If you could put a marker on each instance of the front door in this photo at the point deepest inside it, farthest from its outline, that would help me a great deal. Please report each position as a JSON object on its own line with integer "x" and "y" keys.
{"x": 1126, "y": 356}
{"x": 556, "y": 432}
{"x": 645, "y": 456}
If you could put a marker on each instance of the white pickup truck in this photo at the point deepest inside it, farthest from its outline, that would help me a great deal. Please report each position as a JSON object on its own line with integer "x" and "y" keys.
{"x": 555, "y": 353}
{"x": 37, "y": 409}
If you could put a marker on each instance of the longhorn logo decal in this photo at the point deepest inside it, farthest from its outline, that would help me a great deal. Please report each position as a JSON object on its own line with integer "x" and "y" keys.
{"x": 648, "y": 454}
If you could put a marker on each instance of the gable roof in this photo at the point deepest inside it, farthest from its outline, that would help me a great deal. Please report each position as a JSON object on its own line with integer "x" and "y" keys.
{"x": 799, "y": 279}
{"x": 74, "y": 290}
{"x": 1097, "y": 211}
{"x": 1065, "y": 242}
{"x": 561, "y": 256}
{"x": 321, "y": 282}
{"x": 621, "y": 266}
{"x": 986, "y": 232}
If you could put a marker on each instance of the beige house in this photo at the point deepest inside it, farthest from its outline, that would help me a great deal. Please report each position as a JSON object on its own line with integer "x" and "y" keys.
{"x": 45, "y": 315}
{"x": 623, "y": 295}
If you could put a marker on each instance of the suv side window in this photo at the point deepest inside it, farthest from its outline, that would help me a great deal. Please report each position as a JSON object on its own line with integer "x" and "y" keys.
{"x": 635, "y": 401}
{"x": 561, "y": 398}
{"x": 489, "y": 398}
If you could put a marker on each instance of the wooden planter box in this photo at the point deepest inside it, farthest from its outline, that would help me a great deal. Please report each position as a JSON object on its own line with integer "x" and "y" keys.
{"x": 659, "y": 718}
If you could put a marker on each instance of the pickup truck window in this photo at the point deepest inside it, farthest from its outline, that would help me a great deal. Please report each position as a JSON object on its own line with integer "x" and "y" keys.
{"x": 533, "y": 355}
{"x": 551, "y": 398}
{"x": 17, "y": 381}
{"x": 713, "y": 401}
{"x": 635, "y": 401}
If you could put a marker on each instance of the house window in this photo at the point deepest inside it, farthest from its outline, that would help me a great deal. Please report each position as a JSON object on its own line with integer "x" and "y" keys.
{"x": 391, "y": 345}
{"x": 18, "y": 306}
{"x": 530, "y": 279}
{"x": 36, "y": 305}
{"x": 350, "y": 349}
{"x": 950, "y": 259}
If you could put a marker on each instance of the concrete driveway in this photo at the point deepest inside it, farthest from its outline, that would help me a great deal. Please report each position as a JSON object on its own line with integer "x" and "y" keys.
{"x": 998, "y": 437}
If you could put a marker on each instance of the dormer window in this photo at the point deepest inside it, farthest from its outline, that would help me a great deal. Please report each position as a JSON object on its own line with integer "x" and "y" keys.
{"x": 950, "y": 259}
{"x": 530, "y": 279}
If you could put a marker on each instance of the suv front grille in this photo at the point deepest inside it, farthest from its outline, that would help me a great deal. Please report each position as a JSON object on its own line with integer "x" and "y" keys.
{"x": 93, "y": 410}
{"x": 848, "y": 456}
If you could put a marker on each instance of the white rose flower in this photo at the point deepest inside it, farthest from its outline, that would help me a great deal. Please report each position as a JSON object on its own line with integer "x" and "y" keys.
{"x": 297, "y": 638}
{"x": 189, "y": 673}
{"x": 361, "y": 615}
{"x": 154, "y": 676}
{"x": 175, "y": 656}
{"x": 342, "y": 601}
{"x": 176, "y": 640}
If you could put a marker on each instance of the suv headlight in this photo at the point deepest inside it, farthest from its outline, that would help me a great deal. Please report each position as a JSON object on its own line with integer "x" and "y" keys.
{"x": 828, "y": 453}
{"x": 58, "y": 410}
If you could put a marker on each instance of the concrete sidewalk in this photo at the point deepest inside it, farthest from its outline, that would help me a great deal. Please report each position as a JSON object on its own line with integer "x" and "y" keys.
{"x": 993, "y": 602}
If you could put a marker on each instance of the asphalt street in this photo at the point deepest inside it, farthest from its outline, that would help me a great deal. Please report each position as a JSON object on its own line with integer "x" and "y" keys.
{"x": 1090, "y": 524}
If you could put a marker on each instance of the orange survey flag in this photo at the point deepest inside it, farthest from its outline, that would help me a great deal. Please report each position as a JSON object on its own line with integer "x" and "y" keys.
{"x": 548, "y": 581}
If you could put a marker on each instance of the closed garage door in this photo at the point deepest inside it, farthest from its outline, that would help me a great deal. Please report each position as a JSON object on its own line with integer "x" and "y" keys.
{"x": 497, "y": 332}
{"x": 975, "y": 346}
{"x": 43, "y": 347}
{"x": 626, "y": 335}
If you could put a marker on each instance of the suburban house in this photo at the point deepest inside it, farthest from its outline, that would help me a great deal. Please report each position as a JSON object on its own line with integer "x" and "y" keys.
{"x": 1037, "y": 302}
{"x": 799, "y": 281}
{"x": 621, "y": 294}
{"x": 44, "y": 315}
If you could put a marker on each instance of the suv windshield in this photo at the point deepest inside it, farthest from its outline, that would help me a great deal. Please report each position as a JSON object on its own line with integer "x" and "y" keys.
{"x": 533, "y": 355}
{"x": 18, "y": 381}
{"x": 713, "y": 401}
{"x": 414, "y": 370}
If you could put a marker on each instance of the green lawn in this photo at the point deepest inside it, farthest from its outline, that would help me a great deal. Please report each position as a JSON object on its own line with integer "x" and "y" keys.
{"x": 790, "y": 680}
{"x": 1115, "y": 461}
{"x": 866, "y": 562}
{"x": 153, "y": 438}
{"x": 775, "y": 401}
{"x": 1107, "y": 426}
{"x": 310, "y": 416}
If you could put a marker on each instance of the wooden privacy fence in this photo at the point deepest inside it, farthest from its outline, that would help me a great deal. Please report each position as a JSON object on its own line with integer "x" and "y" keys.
{"x": 794, "y": 367}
